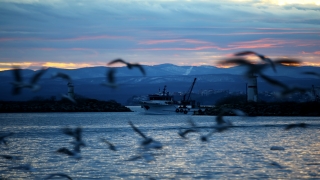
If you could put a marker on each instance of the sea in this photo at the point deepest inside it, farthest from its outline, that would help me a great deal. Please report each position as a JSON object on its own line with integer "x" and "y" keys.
{"x": 241, "y": 152}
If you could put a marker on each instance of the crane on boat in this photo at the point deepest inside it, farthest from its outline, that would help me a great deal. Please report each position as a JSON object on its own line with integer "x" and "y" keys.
{"x": 186, "y": 97}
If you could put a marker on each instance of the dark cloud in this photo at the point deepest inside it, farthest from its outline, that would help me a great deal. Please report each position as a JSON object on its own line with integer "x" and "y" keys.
{"x": 75, "y": 30}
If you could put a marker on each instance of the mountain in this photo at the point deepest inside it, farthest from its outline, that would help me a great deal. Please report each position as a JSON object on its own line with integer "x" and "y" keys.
{"x": 166, "y": 70}
{"x": 87, "y": 81}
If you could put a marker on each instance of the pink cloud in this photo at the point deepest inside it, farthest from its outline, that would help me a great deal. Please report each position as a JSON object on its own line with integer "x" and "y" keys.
{"x": 80, "y": 38}
{"x": 192, "y": 41}
{"x": 315, "y": 52}
{"x": 255, "y": 44}
{"x": 179, "y": 49}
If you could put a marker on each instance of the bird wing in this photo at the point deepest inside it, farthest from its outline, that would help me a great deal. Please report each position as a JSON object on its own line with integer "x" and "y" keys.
{"x": 36, "y": 77}
{"x": 58, "y": 174}
{"x": 140, "y": 67}
{"x": 312, "y": 73}
{"x": 137, "y": 130}
{"x": 110, "y": 75}
{"x": 117, "y": 61}
{"x": 287, "y": 62}
{"x": 17, "y": 73}
{"x": 273, "y": 81}
{"x": 62, "y": 75}
{"x": 243, "y": 53}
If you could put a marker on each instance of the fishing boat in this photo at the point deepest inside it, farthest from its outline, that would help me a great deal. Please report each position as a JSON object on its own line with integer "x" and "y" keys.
{"x": 164, "y": 103}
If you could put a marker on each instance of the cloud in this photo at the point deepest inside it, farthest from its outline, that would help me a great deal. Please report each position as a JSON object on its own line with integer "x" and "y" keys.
{"x": 79, "y": 31}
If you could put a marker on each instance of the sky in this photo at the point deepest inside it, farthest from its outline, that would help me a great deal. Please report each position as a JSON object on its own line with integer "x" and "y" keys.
{"x": 84, "y": 33}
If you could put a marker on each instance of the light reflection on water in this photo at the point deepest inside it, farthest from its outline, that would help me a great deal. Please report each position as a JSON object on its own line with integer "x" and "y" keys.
{"x": 239, "y": 153}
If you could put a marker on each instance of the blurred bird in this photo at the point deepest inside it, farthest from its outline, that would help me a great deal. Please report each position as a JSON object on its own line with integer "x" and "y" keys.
{"x": 279, "y": 148}
{"x": 61, "y": 75}
{"x": 76, "y": 134}
{"x": 74, "y": 154}
{"x": 193, "y": 128}
{"x": 58, "y": 174}
{"x": 2, "y": 138}
{"x": 312, "y": 73}
{"x": 147, "y": 142}
{"x": 285, "y": 89}
{"x": 221, "y": 124}
{"x": 18, "y": 84}
{"x": 146, "y": 156}
{"x": 262, "y": 57}
{"x": 111, "y": 146}
{"x": 69, "y": 98}
{"x": 129, "y": 65}
{"x": 256, "y": 69}
{"x": 110, "y": 79}
{"x": 8, "y": 157}
{"x": 25, "y": 167}
{"x": 276, "y": 164}
{"x": 290, "y": 126}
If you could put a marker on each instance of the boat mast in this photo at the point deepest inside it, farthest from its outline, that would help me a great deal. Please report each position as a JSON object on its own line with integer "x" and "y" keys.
{"x": 164, "y": 90}
{"x": 185, "y": 101}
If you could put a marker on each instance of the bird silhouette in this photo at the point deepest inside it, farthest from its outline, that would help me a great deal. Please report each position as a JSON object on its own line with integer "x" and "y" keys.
{"x": 24, "y": 167}
{"x": 61, "y": 75}
{"x": 18, "y": 82}
{"x": 111, "y": 146}
{"x": 312, "y": 73}
{"x": 8, "y": 157}
{"x": 290, "y": 126}
{"x": 147, "y": 142}
{"x": 69, "y": 98}
{"x": 74, "y": 153}
{"x": 3, "y": 138}
{"x": 129, "y": 65}
{"x": 111, "y": 82}
{"x": 77, "y": 135}
{"x": 262, "y": 57}
{"x": 50, "y": 176}
{"x": 192, "y": 128}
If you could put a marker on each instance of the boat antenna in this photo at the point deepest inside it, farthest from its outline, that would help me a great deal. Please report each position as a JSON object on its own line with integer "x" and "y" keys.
{"x": 164, "y": 90}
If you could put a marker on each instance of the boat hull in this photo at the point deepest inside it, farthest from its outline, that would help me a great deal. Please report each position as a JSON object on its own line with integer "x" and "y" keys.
{"x": 160, "y": 109}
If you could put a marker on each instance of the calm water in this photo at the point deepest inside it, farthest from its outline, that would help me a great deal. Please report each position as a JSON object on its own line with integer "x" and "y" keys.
{"x": 242, "y": 152}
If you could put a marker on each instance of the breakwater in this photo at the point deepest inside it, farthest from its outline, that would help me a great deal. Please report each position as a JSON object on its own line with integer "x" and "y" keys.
{"x": 269, "y": 109}
{"x": 88, "y": 105}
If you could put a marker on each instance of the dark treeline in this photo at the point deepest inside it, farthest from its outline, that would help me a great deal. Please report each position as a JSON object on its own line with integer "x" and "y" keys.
{"x": 269, "y": 109}
{"x": 82, "y": 105}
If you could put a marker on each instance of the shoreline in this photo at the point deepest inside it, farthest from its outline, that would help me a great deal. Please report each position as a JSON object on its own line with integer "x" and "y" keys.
{"x": 87, "y": 105}
{"x": 311, "y": 109}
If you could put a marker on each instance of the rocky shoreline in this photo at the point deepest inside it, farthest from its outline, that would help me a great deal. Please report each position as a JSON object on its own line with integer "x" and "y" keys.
{"x": 269, "y": 109}
{"x": 88, "y": 105}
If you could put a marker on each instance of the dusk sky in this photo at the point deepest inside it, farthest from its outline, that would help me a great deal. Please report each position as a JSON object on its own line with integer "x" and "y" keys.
{"x": 84, "y": 33}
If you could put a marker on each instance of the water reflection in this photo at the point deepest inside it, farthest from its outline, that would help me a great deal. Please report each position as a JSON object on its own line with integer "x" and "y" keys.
{"x": 240, "y": 152}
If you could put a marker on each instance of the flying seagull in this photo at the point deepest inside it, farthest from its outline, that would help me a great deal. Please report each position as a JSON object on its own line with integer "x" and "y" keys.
{"x": 147, "y": 142}
{"x": 110, "y": 78}
{"x": 25, "y": 167}
{"x": 61, "y": 75}
{"x": 129, "y": 65}
{"x": 290, "y": 126}
{"x": 111, "y": 146}
{"x": 193, "y": 128}
{"x": 75, "y": 153}
{"x": 11, "y": 157}
{"x": 2, "y": 138}
{"x": 58, "y": 174}
{"x": 18, "y": 83}
{"x": 262, "y": 57}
